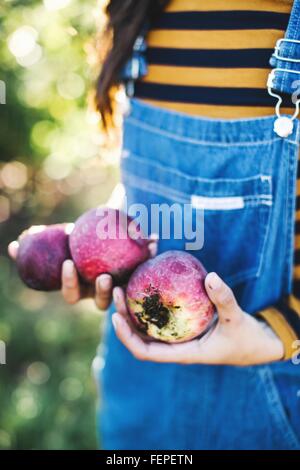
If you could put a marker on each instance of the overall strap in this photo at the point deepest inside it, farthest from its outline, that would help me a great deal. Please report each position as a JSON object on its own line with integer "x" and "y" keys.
{"x": 285, "y": 74}
{"x": 285, "y": 59}
{"x": 136, "y": 66}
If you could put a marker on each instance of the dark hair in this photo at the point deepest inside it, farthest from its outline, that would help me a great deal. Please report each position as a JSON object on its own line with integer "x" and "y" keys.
{"x": 125, "y": 21}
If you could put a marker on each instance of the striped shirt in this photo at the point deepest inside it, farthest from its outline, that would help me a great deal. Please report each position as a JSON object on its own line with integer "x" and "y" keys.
{"x": 212, "y": 59}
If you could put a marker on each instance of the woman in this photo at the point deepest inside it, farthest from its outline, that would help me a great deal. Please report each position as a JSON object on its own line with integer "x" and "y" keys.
{"x": 202, "y": 126}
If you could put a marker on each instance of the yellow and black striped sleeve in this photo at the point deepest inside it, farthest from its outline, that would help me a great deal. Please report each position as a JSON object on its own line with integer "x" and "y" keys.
{"x": 284, "y": 319}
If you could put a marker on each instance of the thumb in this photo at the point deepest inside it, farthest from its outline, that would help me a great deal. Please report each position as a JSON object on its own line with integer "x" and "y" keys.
{"x": 13, "y": 249}
{"x": 223, "y": 298}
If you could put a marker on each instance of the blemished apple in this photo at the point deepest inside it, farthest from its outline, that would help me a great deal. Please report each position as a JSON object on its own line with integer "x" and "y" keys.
{"x": 106, "y": 240}
{"x": 42, "y": 251}
{"x": 167, "y": 300}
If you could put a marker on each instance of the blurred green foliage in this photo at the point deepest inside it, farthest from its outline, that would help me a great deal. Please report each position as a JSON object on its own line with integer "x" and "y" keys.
{"x": 53, "y": 165}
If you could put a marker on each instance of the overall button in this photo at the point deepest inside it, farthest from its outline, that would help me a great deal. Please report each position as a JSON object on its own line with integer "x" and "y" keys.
{"x": 283, "y": 126}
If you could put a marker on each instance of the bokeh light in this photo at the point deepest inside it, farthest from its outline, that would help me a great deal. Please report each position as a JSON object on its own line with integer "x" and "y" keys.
{"x": 14, "y": 175}
{"x": 32, "y": 58}
{"x": 27, "y": 407}
{"x": 71, "y": 389}
{"x": 71, "y": 86}
{"x": 56, "y": 167}
{"x": 23, "y": 41}
{"x": 53, "y": 5}
{"x": 38, "y": 373}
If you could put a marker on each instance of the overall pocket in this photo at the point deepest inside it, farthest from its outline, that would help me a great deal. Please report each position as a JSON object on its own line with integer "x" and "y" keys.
{"x": 236, "y": 220}
{"x": 236, "y": 213}
{"x": 283, "y": 429}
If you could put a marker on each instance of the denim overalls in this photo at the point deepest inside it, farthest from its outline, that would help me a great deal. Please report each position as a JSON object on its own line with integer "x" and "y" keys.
{"x": 249, "y": 240}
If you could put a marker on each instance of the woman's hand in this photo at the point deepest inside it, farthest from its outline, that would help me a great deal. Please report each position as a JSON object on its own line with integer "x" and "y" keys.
{"x": 236, "y": 339}
{"x": 72, "y": 290}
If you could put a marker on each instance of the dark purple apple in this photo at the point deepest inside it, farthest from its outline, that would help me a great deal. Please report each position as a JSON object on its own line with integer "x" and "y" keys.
{"x": 42, "y": 251}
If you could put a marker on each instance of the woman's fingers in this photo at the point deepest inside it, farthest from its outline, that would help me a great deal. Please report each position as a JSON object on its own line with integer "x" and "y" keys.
{"x": 129, "y": 338}
{"x": 13, "y": 249}
{"x": 152, "y": 247}
{"x": 153, "y": 244}
{"x": 70, "y": 282}
{"x": 103, "y": 292}
{"x": 222, "y": 296}
{"x": 151, "y": 351}
{"x": 119, "y": 300}
{"x": 73, "y": 291}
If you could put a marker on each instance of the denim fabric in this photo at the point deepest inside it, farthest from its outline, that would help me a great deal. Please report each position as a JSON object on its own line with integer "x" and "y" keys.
{"x": 287, "y": 61}
{"x": 170, "y": 157}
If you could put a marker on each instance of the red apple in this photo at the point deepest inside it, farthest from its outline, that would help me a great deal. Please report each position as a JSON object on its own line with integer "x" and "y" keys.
{"x": 42, "y": 251}
{"x": 106, "y": 240}
{"x": 167, "y": 300}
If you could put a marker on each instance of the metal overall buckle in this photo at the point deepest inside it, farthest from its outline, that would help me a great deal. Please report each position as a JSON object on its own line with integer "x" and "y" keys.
{"x": 277, "y": 50}
{"x": 283, "y": 125}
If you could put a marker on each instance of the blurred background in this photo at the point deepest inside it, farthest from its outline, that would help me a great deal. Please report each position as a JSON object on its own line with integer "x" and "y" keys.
{"x": 55, "y": 164}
